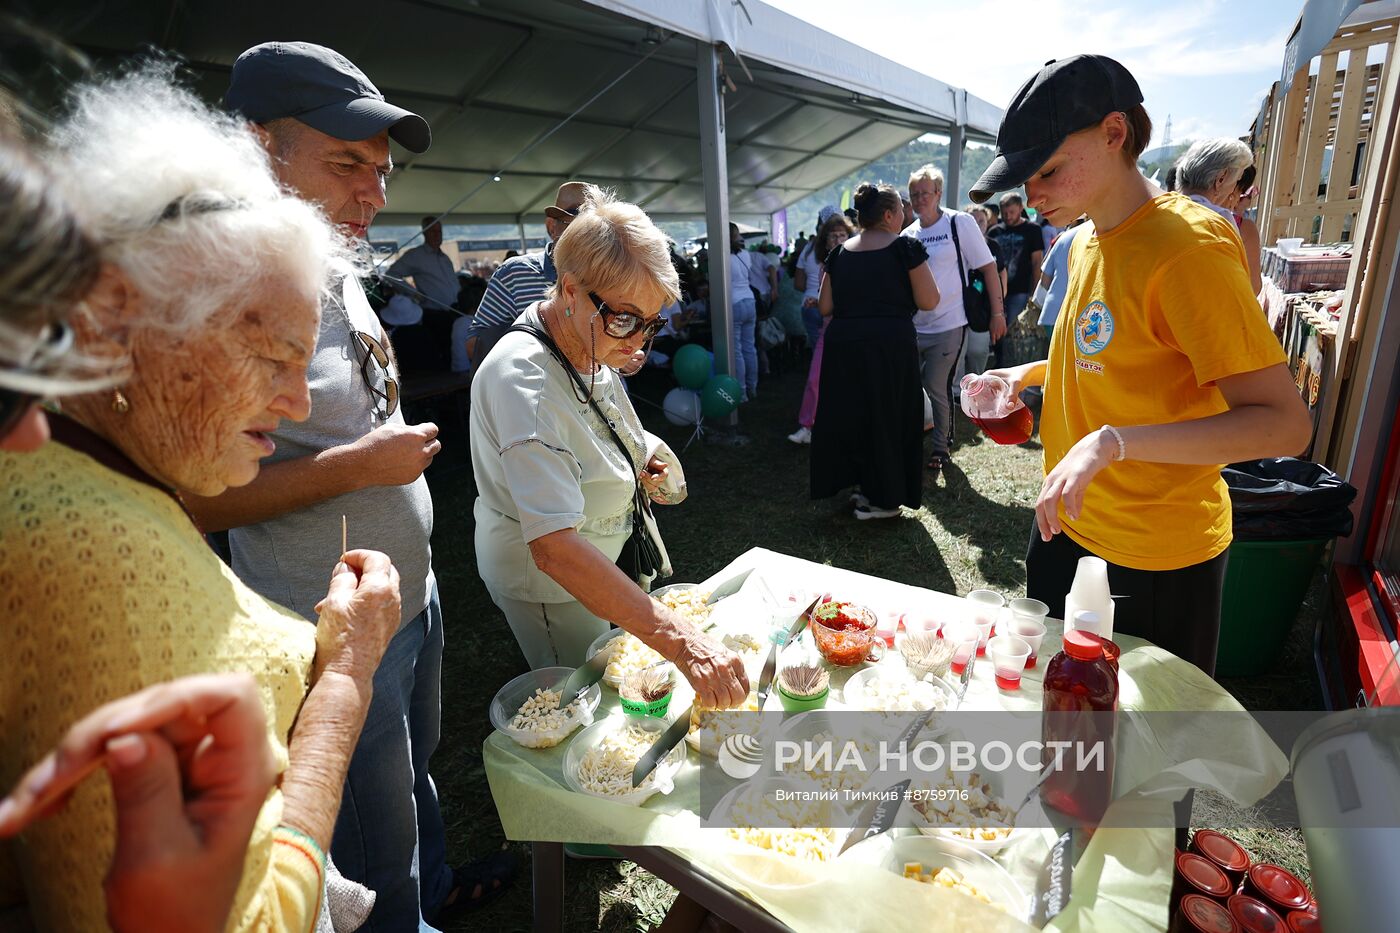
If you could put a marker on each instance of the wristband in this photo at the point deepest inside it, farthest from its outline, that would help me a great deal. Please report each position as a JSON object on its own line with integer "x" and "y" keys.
{"x": 1117, "y": 436}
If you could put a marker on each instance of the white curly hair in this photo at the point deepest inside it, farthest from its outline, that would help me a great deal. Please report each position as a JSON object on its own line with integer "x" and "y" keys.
{"x": 183, "y": 200}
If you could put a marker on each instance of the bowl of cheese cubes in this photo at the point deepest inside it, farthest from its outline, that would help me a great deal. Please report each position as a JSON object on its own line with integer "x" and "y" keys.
{"x": 964, "y": 807}
{"x": 946, "y": 864}
{"x": 527, "y": 708}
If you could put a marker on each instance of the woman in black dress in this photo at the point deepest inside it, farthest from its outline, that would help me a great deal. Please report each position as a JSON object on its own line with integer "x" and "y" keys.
{"x": 869, "y": 427}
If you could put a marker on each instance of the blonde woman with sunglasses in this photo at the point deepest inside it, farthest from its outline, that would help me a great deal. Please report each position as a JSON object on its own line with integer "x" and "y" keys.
{"x": 565, "y": 470}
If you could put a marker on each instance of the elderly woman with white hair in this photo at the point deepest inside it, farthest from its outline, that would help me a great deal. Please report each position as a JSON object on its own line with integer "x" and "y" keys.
{"x": 565, "y": 470}
{"x": 209, "y": 294}
{"x": 1208, "y": 172}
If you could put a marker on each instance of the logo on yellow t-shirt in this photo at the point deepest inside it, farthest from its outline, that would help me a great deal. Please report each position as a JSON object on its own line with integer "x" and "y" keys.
{"x": 1093, "y": 328}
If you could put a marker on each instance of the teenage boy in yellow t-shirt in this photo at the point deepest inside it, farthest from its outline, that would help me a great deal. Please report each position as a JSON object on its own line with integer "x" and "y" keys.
{"x": 1162, "y": 370}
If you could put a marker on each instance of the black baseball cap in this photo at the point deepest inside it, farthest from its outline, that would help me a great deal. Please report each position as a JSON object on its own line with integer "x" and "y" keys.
{"x": 1066, "y": 96}
{"x": 321, "y": 88}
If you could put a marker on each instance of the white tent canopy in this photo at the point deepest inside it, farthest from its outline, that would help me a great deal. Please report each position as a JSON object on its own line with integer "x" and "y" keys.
{"x": 493, "y": 77}
{"x": 687, "y": 107}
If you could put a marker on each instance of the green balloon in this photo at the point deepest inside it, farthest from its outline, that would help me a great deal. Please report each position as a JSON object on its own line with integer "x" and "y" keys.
{"x": 691, "y": 365}
{"x": 720, "y": 396}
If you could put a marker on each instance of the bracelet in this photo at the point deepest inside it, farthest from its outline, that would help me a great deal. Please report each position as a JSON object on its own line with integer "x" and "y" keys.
{"x": 1117, "y": 436}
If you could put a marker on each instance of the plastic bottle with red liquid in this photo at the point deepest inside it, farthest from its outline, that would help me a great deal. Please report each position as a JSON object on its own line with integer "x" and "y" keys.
{"x": 1003, "y": 417}
{"x": 1081, "y": 696}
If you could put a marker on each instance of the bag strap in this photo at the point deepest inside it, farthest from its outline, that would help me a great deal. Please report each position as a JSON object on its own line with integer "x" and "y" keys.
{"x": 957, "y": 247}
{"x": 558, "y": 354}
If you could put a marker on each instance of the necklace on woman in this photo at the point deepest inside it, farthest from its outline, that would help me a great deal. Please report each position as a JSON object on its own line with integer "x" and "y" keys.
{"x": 556, "y": 329}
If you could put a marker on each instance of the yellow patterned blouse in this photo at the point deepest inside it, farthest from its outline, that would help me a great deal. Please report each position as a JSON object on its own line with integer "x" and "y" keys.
{"x": 108, "y": 587}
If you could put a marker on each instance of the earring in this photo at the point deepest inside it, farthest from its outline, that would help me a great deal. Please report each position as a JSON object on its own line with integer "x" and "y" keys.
{"x": 119, "y": 403}
{"x": 569, "y": 311}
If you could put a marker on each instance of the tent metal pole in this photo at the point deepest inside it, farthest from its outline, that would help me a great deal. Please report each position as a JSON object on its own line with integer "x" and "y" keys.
{"x": 520, "y": 228}
{"x": 957, "y": 143}
{"x": 714, "y": 162}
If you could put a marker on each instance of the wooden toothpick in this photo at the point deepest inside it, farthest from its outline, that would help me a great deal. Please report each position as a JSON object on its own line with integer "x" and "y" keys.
{"x": 342, "y": 536}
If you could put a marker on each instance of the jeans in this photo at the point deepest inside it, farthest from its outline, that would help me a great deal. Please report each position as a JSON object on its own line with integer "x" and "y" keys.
{"x": 389, "y": 834}
{"x": 938, "y": 357}
{"x": 812, "y": 322}
{"x": 745, "y": 352}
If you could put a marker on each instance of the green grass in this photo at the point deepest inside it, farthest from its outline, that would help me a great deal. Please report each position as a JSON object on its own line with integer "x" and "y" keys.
{"x": 971, "y": 532}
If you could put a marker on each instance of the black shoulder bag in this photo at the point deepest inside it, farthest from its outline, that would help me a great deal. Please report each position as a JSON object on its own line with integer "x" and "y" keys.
{"x": 977, "y": 305}
{"x": 640, "y": 556}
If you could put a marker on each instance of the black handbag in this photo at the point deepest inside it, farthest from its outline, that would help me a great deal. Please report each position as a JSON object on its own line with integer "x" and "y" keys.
{"x": 977, "y": 304}
{"x": 640, "y": 557}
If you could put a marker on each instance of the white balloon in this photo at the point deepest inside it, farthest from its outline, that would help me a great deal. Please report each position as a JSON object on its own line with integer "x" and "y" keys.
{"x": 682, "y": 406}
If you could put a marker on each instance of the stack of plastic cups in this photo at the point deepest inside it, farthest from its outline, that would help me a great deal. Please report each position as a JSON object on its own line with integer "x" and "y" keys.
{"x": 1089, "y": 592}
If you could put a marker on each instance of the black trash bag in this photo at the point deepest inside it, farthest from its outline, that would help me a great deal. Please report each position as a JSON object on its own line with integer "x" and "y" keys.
{"x": 1283, "y": 499}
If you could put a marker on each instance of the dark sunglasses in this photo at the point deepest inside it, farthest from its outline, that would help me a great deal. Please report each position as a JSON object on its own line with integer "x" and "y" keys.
{"x": 390, "y": 393}
{"x": 624, "y": 323}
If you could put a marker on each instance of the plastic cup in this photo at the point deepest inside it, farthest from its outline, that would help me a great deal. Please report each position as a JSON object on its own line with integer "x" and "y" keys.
{"x": 984, "y": 606}
{"x": 1028, "y": 622}
{"x": 964, "y": 637}
{"x": 887, "y": 623}
{"x": 1008, "y": 654}
{"x": 1031, "y": 632}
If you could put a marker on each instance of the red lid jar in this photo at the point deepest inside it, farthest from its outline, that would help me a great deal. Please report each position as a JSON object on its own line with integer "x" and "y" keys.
{"x": 1304, "y": 921}
{"x": 1254, "y": 916}
{"x": 1200, "y": 914}
{"x": 1197, "y": 875}
{"x": 1276, "y": 887}
{"x": 1223, "y": 851}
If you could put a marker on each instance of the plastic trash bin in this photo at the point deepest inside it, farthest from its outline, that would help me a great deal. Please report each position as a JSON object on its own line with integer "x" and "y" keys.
{"x": 1285, "y": 512}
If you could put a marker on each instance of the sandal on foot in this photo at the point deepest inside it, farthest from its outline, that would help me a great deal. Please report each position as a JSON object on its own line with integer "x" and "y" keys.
{"x": 477, "y": 884}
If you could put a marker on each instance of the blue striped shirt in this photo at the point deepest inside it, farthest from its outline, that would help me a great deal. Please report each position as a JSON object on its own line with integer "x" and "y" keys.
{"x": 518, "y": 283}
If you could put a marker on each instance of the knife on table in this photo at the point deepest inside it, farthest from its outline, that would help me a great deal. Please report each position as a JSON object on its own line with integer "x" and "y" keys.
{"x": 770, "y": 667}
{"x": 728, "y": 587}
{"x": 584, "y": 676}
{"x": 661, "y": 747}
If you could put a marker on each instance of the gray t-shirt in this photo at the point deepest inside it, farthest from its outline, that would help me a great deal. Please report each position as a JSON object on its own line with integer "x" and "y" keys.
{"x": 289, "y": 559}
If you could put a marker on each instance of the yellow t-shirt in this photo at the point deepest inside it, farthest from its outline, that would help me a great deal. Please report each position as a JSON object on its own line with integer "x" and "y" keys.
{"x": 1157, "y": 310}
{"x": 107, "y": 588}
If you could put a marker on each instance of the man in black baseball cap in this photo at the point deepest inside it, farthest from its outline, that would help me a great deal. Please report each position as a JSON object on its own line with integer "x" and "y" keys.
{"x": 321, "y": 88}
{"x": 1066, "y": 96}
{"x": 327, "y": 129}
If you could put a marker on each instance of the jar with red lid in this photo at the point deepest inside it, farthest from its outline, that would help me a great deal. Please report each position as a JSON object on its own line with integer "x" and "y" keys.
{"x": 1194, "y": 874}
{"x": 1277, "y": 887}
{"x": 1254, "y": 916}
{"x": 1200, "y": 914}
{"x": 1223, "y": 851}
{"x": 1304, "y": 921}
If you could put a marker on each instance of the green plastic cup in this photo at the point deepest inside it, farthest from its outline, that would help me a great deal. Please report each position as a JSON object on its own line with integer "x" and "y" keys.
{"x": 794, "y": 704}
{"x": 653, "y": 709}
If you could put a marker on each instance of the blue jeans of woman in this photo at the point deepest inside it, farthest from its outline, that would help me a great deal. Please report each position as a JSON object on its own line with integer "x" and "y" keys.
{"x": 745, "y": 352}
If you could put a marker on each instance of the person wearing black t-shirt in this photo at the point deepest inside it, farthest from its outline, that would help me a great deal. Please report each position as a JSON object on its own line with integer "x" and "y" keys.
{"x": 1022, "y": 245}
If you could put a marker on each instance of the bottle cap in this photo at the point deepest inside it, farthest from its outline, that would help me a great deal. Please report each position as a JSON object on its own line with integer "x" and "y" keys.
{"x": 1082, "y": 645}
